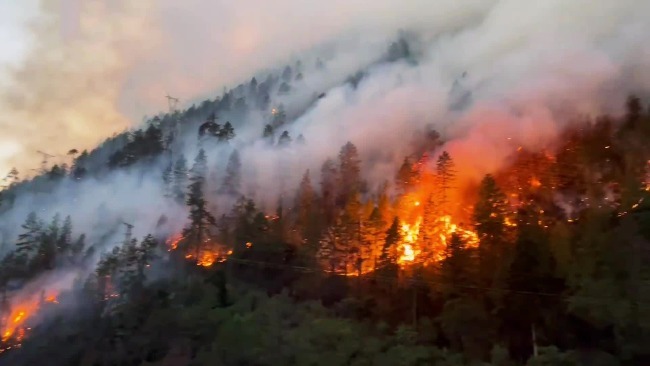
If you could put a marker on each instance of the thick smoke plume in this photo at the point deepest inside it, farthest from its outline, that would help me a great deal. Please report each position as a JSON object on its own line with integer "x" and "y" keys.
{"x": 97, "y": 67}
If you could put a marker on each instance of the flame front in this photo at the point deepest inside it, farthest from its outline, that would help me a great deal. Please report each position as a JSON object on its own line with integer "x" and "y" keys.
{"x": 13, "y": 325}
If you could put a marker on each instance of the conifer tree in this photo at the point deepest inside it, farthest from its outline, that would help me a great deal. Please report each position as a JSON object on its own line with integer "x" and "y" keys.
{"x": 168, "y": 180}
{"x": 232, "y": 180}
{"x": 389, "y": 250}
{"x": 78, "y": 247}
{"x": 301, "y": 140}
{"x": 128, "y": 267}
{"x": 269, "y": 135}
{"x": 445, "y": 175}
{"x": 489, "y": 219}
{"x": 349, "y": 173}
{"x": 197, "y": 234}
{"x": 226, "y": 133}
{"x": 329, "y": 190}
{"x": 405, "y": 179}
{"x": 373, "y": 235}
{"x": 29, "y": 240}
{"x": 64, "y": 241}
{"x": 455, "y": 264}
{"x": 279, "y": 116}
{"x": 180, "y": 179}
{"x": 285, "y": 139}
{"x": 47, "y": 250}
{"x": 306, "y": 206}
{"x": 429, "y": 234}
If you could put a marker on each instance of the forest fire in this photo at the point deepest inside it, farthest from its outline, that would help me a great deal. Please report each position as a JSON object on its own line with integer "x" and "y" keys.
{"x": 14, "y": 325}
{"x": 413, "y": 244}
{"x": 207, "y": 256}
{"x": 173, "y": 241}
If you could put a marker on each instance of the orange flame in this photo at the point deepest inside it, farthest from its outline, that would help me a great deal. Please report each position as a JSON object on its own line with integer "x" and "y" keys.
{"x": 13, "y": 326}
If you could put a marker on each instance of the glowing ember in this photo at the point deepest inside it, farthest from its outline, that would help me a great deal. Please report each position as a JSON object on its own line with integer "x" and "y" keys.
{"x": 52, "y": 299}
{"x": 173, "y": 242}
{"x": 535, "y": 183}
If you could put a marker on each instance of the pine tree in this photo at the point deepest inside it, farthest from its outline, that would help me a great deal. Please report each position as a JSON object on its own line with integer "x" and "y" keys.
{"x": 287, "y": 74}
{"x": 445, "y": 176}
{"x": 78, "y": 247}
{"x": 455, "y": 264}
{"x": 201, "y": 220}
{"x": 285, "y": 139}
{"x": 489, "y": 218}
{"x": 301, "y": 140}
{"x": 12, "y": 177}
{"x": 64, "y": 241}
{"x": 405, "y": 179}
{"x": 269, "y": 134}
{"x": 633, "y": 110}
{"x": 279, "y": 116}
{"x": 350, "y": 223}
{"x": 152, "y": 144}
{"x": 329, "y": 190}
{"x": 127, "y": 265}
{"x": 47, "y": 250}
{"x": 349, "y": 173}
{"x": 226, "y": 133}
{"x": 168, "y": 180}
{"x": 305, "y": 204}
{"x": 29, "y": 240}
{"x": 389, "y": 250}
{"x": 373, "y": 235}
{"x": 429, "y": 234}
{"x": 146, "y": 251}
{"x": 232, "y": 181}
{"x": 200, "y": 168}
{"x": 180, "y": 179}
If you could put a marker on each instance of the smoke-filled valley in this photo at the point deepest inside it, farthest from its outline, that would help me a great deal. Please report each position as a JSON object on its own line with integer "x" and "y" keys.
{"x": 407, "y": 187}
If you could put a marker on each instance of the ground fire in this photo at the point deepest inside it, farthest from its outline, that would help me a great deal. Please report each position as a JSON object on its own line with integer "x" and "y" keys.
{"x": 15, "y": 324}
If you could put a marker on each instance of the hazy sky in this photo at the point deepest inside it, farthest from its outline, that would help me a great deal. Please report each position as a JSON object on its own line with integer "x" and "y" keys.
{"x": 90, "y": 68}
{"x": 13, "y": 35}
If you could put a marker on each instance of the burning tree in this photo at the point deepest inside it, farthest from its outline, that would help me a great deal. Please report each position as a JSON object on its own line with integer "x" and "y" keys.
{"x": 490, "y": 214}
{"x": 197, "y": 234}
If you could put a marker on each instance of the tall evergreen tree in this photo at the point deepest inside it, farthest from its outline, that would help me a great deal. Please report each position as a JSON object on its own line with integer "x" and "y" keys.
{"x": 490, "y": 218}
{"x": 445, "y": 173}
{"x": 168, "y": 180}
{"x": 329, "y": 190}
{"x": 232, "y": 180}
{"x": 285, "y": 139}
{"x": 373, "y": 235}
{"x": 456, "y": 265}
{"x": 349, "y": 173}
{"x": 29, "y": 241}
{"x": 279, "y": 116}
{"x": 405, "y": 179}
{"x": 226, "y": 133}
{"x": 78, "y": 247}
{"x": 64, "y": 241}
{"x": 47, "y": 250}
{"x": 389, "y": 251}
{"x": 306, "y": 206}
{"x": 301, "y": 140}
{"x": 197, "y": 234}
{"x": 180, "y": 178}
{"x": 269, "y": 135}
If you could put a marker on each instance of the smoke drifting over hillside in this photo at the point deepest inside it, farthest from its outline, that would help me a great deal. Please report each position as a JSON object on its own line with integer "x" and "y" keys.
{"x": 96, "y": 68}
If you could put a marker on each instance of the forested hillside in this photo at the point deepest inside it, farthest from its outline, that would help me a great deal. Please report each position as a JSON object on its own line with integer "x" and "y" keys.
{"x": 224, "y": 234}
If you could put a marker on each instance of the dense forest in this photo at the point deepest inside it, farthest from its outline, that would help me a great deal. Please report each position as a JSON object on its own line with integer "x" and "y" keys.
{"x": 543, "y": 262}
